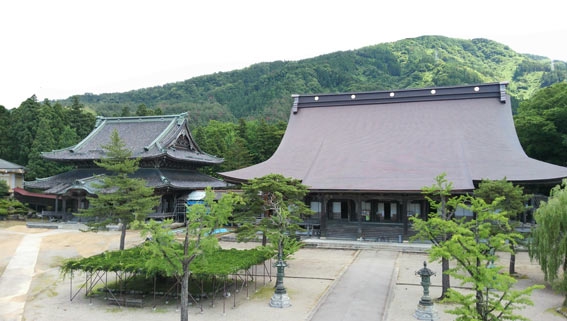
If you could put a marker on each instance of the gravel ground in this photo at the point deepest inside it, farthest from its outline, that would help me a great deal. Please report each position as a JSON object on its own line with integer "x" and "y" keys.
{"x": 309, "y": 275}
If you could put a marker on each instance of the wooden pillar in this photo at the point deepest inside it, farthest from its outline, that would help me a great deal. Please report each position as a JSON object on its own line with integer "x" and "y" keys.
{"x": 405, "y": 214}
{"x": 323, "y": 218}
{"x": 358, "y": 212}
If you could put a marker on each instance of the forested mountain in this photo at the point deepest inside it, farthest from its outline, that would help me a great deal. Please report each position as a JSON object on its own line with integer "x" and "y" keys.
{"x": 264, "y": 90}
{"x": 249, "y": 107}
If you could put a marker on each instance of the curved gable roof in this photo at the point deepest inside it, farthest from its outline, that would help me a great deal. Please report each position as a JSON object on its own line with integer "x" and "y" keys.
{"x": 401, "y": 140}
{"x": 147, "y": 137}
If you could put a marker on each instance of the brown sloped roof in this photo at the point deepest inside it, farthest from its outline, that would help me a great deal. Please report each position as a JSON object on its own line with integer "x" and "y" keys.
{"x": 401, "y": 140}
{"x": 147, "y": 137}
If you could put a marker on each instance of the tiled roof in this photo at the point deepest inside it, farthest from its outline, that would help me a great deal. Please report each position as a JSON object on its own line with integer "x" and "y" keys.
{"x": 156, "y": 178}
{"x": 10, "y": 166}
{"x": 401, "y": 140}
{"x": 147, "y": 137}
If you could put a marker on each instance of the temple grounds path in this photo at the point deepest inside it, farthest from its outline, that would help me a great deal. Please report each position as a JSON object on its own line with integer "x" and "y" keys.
{"x": 323, "y": 284}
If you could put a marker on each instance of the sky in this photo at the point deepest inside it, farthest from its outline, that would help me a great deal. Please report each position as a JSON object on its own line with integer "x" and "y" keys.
{"x": 58, "y": 48}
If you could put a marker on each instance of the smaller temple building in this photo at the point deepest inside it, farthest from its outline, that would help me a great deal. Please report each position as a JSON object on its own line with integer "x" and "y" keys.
{"x": 12, "y": 174}
{"x": 365, "y": 156}
{"x": 169, "y": 162}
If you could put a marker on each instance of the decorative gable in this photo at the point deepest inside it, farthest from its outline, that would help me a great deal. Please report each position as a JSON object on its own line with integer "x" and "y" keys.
{"x": 183, "y": 142}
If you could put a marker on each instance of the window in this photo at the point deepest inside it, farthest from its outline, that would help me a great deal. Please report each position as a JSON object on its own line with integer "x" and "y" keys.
{"x": 336, "y": 207}
{"x": 316, "y": 207}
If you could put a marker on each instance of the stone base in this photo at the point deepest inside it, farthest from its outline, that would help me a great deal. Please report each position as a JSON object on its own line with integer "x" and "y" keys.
{"x": 426, "y": 313}
{"x": 280, "y": 301}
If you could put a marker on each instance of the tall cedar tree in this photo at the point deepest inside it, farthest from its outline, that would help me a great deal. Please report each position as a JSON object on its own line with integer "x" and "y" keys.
{"x": 513, "y": 204}
{"x": 274, "y": 206}
{"x": 22, "y": 131}
{"x": 121, "y": 199}
{"x": 202, "y": 220}
{"x": 4, "y": 130}
{"x": 79, "y": 119}
{"x": 474, "y": 247}
{"x": 549, "y": 239}
{"x": 443, "y": 207}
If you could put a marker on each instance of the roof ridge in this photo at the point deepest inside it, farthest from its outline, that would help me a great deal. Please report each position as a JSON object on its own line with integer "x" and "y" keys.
{"x": 178, "y": 119}
{"x": 488, "y": 90}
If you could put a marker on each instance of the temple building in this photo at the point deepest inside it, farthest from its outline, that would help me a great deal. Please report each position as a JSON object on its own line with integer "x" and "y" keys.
{"x": 365, "y": 156}
{"x": 169, "y": 162}
{"x": 12, "y": 174}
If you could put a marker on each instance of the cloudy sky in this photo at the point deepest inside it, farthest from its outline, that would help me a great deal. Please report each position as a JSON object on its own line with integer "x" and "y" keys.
{"x": 58, "y": 48}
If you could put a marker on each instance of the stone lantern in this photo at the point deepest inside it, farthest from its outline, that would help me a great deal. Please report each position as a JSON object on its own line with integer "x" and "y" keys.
{"x": 425, "y": 310}
{"x": 280, "y": 299}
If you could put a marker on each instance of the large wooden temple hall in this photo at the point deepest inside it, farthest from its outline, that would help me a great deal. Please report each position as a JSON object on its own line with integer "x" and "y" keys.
{"x": 169, "y": 163}
{"x": 366, "y": 156}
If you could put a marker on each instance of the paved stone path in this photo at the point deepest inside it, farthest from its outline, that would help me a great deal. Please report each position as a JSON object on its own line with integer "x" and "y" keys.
{"x": 16, "y": 280}
{"x": 363, "y": 291}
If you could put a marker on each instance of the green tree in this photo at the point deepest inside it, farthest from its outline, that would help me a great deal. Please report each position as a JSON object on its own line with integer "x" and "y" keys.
{"x": 548, "y": 244}
{"x": 44, "y": 141}
{"x": 121, "y": 199}
{"x": 77, "y": 118}
{"x": 10, "y": 206}
{"x": 143, "y": 110}
{"x": 23, "y": 128}
{"x": 4, "y": 188}
{"x": 202, "y": 220}
{"x": 68, "y": 137}
{"x": 540, "y": 138}
{"x": 125, "y": 112}
{"x": 513, "y": 204}
{"x": 542, "y": 124}
{"x": 474, "y": 246}
{"x": 274, "y": 206}
{"x": 237, "y": 155}
{"x": 443, "y": 206}
{"x": 52, "y": 133}
{"x": 264, "y": 139}
{"x": 5, "y": 122}
{"x": 279, "y": 203}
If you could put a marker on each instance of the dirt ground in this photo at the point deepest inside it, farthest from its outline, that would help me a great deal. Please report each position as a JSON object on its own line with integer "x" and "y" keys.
{"x": 308, "y": 277}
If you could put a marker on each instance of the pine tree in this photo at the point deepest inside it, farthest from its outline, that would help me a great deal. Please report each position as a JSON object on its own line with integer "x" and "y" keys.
{"x": 121, "y": 199}
{"x": 202, "y": 220}
{"x": 279, "y": 201}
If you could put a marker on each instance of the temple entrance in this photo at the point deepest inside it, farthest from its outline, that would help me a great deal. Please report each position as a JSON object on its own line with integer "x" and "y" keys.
{"x": 340, "y": 210}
